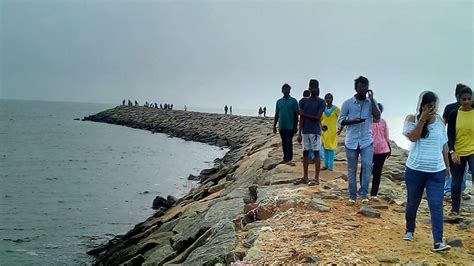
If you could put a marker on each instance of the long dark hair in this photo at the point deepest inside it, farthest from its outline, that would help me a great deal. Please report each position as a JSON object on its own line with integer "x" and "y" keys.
{"x": 426, "y": 98}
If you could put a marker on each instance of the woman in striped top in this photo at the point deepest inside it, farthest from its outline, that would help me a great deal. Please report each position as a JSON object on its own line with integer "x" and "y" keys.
{"x": 426, "y": 167}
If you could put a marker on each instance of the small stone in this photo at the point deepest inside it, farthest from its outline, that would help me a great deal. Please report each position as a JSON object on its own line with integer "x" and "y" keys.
{"x": 313, "y": 259}
{"x": 319, "y": 205}
{"x": 369, "y": 212}
{"x": 330, "y": 197}
{"x": 323, "y": 236}
{"x": 315, "y": 221}
{"x": 387, "y": 259}
{"x": 380, "y": 206}
{"x": 399, "y": 210}
{"x": 454, "y": 242}
{"x": 353, "y": 224}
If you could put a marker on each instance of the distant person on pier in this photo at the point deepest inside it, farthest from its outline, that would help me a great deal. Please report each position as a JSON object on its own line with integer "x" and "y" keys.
{"x": 427, "y": 166}
{"x": 230, "y": 109}
{"x": 129, "y": 103}
{"x": 226, "y": 109}
{"x": 123, "y": 102}
{"x": 136, "y": 103}
{"x": 264, "y": 111}
{"x": 286, "y": 116}
{"x": 185, "y": 108}
{"x": 260, "y": 111}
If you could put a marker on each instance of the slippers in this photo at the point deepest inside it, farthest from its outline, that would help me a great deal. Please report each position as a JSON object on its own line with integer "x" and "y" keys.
{"x": 313, "y": 182}
{"x": 300, "y": 181}
{"x": 290, "y": 163}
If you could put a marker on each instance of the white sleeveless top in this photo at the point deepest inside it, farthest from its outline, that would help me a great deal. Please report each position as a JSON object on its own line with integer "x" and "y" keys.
{"x": 426, "y": 154}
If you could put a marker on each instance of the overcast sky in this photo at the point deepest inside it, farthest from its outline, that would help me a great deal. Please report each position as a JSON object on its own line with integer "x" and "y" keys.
{"x": 211, "y": 53}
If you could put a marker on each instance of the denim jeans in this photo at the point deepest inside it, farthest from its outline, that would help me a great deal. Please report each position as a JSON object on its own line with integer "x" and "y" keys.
{"x": 416, "y": 182}
{"x": 458, "y": 171}
{"x": 366, "y": 155}
{"x": 287, "y": 144}
{"x": 448, "y": 183}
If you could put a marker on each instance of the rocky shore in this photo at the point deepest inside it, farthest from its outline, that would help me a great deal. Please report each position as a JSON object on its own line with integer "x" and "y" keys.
{"x": 247, "y": 211}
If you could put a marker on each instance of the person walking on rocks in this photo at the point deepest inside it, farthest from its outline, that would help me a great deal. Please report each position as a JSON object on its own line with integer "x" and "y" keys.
{"x": 311, "y": 110}
{"x": 260, "y": 111}
{"x": 427, "y": 166}
{"x": 357, "y": 114}
{"x": 226, "y": 109}
{"x": 382, "y": 151}
{"x": 230, "y": 110}
{"x": 447, "y": 110}
{"x": 264, "y": 110}
{"x": 286, "y": 116}
{"x": 461, "y": 144}
{"x": 329, "y": 128}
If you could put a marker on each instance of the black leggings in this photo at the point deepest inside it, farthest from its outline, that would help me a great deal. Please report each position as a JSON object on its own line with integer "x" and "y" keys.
{"x": 378, "y": 162}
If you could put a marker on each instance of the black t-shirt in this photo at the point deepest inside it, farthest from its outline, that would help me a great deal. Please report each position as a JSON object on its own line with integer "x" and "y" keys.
{"x": 449, "y": 108}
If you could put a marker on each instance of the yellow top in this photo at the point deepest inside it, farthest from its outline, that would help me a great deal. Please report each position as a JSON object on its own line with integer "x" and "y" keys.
{"x": 329, "y": 137}
{"x": 464, "y": 143}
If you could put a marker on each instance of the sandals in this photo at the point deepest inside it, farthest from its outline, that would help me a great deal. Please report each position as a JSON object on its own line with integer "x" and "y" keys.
{"x": 300, "y": 181}
{"x": 311, "y": 182}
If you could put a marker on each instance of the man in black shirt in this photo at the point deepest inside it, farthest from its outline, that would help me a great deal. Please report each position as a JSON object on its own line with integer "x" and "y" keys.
{"x": 447, "y": 184}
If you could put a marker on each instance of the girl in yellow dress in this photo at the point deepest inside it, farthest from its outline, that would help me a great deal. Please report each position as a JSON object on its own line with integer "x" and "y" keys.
{"x": 329, "y": 127}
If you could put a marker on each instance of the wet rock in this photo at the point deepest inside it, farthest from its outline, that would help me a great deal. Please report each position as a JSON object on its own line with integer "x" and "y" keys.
{"x": 369, "y": 212}
{"x": 454, "y": 242}
{"x": 209, "y": 171}
{"x": 135, "y": 261}
{"x": 193, "y": 178}
{"x": 159, "y": 202}
{"x": 387, "y": 259}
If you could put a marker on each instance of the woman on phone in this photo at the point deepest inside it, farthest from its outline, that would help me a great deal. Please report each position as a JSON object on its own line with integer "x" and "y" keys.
{"x": 426, "y": 167}
{"x": 461, "y": 144}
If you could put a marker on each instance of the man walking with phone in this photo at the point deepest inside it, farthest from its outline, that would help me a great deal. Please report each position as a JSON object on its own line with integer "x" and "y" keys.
{"x": 357, "y": 114}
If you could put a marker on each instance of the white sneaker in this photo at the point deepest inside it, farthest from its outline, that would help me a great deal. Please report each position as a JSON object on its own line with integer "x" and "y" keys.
{"x": 440, "y": 247}
{"x": 408, "y": 236}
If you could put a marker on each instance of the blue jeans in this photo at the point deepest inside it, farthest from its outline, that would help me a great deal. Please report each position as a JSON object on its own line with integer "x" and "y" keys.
{"x": 416, "y": 182}
{"x": 458, "y": 171}
{"x": 366, "y": 155}
{"x": 447, "y": 184}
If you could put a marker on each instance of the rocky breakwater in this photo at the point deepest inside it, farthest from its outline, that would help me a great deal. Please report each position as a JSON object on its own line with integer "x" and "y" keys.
{"x": 247, "y": 210}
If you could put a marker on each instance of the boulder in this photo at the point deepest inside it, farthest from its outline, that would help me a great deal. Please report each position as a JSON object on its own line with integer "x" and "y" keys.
{"x": 269, "y": 163}
{"x": 454, "y": 242}
{"x": 319, "y": 205}
{"x": 217, "y": 247}
{"x": 369, "y": 212}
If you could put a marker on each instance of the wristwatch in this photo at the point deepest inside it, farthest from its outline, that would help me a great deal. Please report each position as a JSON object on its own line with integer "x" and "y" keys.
{"x": 451, "y": 152}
